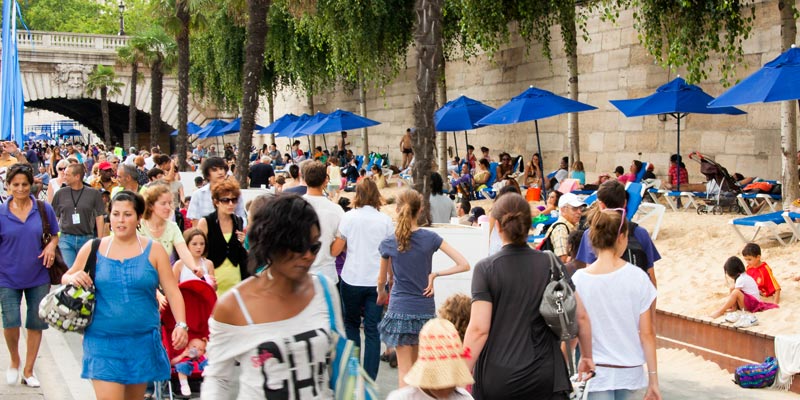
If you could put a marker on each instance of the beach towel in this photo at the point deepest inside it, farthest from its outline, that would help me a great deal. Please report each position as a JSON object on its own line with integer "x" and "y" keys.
{"x": 787, "y": 352}
{"x": 752, "y": 304}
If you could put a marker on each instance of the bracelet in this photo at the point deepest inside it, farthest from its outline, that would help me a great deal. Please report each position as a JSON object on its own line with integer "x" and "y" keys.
{"x": 182, "y": 325}
{"x": 652, "y": 372}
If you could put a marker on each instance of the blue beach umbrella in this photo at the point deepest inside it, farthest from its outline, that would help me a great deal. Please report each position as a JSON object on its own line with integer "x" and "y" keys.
{"x": 340, "y": 120}
{"x": 279, "y": 124}
{"x": 191, "y": 129}
{"x": 460, "y": 114}
{"x": 236, "y": 126}
{"x": 68, "y": 132}
{"x": 676, "y": 98}
{"x": 302, "y": 130}
{"x": 777, "y": 80}
{"x": 532, "y": 105}
{"x": 212, "y": 129}
{"x": 289, "y": 129}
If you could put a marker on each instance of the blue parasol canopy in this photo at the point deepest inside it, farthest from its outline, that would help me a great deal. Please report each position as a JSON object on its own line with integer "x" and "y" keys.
{"x": 460, "y": 114}
{"x": 777, "y": 80}
{"x": 279, "y": 124}
{"x": 337, "y": 121}
{"x": 302, "y": 130}
{"x": 191, "y": 129}
{"x": 68, "y": 132}
{"x": 212, "y": 129}
{"x": 235, "y": 126}
{"x": 288, "y": 130}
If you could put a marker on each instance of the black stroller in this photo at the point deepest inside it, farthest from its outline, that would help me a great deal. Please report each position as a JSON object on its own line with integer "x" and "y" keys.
{"x": 724, "y": 189}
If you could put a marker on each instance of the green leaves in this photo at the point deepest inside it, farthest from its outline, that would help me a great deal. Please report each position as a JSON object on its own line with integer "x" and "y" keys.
{"x": 103, "y": 77}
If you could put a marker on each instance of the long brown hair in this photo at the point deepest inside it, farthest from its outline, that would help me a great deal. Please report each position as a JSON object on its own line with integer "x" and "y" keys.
{"x": 607, "y": 225}
{"x": 367, "y": 194}
{"x": 408, "y": 205}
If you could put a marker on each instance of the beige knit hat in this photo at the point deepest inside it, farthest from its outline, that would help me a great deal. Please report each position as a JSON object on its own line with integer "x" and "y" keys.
{"x": 440, "y": 364}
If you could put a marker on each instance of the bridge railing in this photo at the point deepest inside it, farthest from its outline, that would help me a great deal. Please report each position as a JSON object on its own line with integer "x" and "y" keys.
{"x": 69, "y": 41}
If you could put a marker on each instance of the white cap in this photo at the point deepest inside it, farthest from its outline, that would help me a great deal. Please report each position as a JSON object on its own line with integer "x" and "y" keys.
{"x": 570, "y": 199}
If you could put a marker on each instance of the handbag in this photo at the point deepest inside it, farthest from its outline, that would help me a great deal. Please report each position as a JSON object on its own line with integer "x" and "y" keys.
{"x": 59, "y": 267}
{"x": 559, "y": 306}
{"x": 757, "y": 375}
{"x": 349, "y": 381}
{"x": 70, "y": 308}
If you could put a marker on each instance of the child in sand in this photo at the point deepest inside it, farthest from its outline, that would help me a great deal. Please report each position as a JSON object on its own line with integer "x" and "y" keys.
{"x": 193, "y": 358}
{"x": 744, "y": 293}
{"x": 440, "y": 371}
{"x": 761, "y": 272}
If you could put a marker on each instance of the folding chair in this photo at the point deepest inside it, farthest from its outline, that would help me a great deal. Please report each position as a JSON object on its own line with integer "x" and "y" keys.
{"x": 770, "y": 221}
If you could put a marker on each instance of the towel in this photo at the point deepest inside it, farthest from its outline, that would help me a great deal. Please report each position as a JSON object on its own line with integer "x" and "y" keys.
{"x": 787, "y": 352}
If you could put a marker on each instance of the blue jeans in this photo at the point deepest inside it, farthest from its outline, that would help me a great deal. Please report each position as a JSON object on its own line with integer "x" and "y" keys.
{"x": 10, "y": 300}
{"x": 619, "y": 394}
{"x": 358, "y": 301}
{"x": 70, "y": 244}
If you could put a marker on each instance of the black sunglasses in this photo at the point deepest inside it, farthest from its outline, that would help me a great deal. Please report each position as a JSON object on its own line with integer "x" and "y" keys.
{"x": 313, "y": 248}
{"x": 62, "y": 168}
{"x": 229, "y": 200}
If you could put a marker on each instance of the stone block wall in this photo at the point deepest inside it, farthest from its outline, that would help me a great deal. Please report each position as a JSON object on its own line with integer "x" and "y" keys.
{"x": 613, "y": 65}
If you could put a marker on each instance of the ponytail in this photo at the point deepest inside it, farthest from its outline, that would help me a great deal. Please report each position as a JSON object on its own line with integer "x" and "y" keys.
{"x": 408, "y": 206}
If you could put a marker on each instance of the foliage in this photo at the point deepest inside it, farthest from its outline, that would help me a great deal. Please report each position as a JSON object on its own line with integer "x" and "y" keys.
{"x": 156, "y": 46}
{"x": 84, "y": 16}
{"x": 103, "y": 77}
{"x": 686, "y": 33}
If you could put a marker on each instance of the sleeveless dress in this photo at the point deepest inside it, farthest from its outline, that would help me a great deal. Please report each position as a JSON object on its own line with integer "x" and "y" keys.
{"x": 123, "y": 342}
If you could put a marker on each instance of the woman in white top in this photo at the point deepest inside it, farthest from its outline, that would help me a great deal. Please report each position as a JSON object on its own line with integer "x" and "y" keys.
{"x": 196, "y": 242}
{"x": 56, "y": 181}
{"x": 275, "y": 324}
{"x": 618, "y": 296}
{"x": 362, "y": 230}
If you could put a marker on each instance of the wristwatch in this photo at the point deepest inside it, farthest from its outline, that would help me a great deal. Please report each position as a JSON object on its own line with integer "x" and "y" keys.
{"x": 182, "y": 325}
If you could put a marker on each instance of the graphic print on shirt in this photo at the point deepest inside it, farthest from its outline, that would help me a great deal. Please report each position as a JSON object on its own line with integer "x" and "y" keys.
{"x": 294, "y": 366}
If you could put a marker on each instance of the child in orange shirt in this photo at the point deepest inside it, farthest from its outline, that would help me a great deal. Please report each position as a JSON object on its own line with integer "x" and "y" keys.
{"x": 761, "y": 272}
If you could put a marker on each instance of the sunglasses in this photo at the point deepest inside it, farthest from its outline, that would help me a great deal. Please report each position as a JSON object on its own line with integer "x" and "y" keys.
{"x": 622, "y": 220}
{"x": 62, "y": 168}
{"x": 229, "y": 200}
{"x": 313, "y": 248}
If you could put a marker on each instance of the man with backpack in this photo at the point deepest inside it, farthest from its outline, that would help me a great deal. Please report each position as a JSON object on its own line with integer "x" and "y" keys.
{"x": 570, "y": 208}
{"x": 640, "y": 251}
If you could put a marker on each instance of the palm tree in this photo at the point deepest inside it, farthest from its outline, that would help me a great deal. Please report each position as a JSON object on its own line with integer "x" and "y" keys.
{"x": 159, "y": 53}
{"x": 104, "y": 80}
{"x": 132, "y": 54}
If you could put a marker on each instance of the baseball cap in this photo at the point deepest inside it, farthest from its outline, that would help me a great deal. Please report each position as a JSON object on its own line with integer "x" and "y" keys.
{"x": 570, "y": 199}
{"x": 105, "y": 165}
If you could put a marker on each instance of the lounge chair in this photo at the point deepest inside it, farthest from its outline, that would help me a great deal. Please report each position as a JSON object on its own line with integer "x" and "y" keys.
{"x": 747, "y": 201}
{"x": 488, "y": 192}
{"x": 636, "y": 191}
{"x": 770, "y": 221}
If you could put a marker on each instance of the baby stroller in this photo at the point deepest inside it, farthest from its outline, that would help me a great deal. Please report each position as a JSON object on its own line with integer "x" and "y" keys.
{"x": 200, "y": 299}
{"x": 723, "y": 188}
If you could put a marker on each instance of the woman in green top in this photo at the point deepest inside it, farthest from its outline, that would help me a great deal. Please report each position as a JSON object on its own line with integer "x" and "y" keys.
{"x": 157, "y": 224}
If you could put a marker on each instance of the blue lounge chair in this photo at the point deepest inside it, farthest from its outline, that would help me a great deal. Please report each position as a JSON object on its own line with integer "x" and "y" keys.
{"x": 636, "y": 191}
{"x": 488, "y": 193}
{"x": 747, "y": 200}
{"x": 770, "y": 221}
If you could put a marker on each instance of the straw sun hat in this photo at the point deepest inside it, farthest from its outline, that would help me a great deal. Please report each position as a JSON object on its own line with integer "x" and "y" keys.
{"x": 440, "y": 364}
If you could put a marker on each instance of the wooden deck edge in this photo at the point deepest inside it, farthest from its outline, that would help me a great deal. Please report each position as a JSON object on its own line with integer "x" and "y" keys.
{"x": 724, "y": 345}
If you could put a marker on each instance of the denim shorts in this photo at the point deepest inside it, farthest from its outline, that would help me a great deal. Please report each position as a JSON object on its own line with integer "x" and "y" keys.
{"x": 10, "y": 300}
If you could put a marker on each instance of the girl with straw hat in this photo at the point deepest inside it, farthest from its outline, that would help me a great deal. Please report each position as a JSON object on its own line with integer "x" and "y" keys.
{"x": 440, "y": 371}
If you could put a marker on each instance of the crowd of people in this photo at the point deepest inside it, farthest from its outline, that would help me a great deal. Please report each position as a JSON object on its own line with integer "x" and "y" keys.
{"x": 274, "y": 261}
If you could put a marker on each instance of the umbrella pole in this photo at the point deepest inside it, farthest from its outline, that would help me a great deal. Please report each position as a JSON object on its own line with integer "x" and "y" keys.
{"x": 466, "y": 140}
{"x": 678, "y": 175}
{"x": 455, "y": 143}
{"x": 541, "y": 159}
{"x": 325, "y": 141}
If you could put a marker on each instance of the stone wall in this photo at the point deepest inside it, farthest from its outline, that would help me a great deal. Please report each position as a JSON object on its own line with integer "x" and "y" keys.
{"x": 613, "y": 65}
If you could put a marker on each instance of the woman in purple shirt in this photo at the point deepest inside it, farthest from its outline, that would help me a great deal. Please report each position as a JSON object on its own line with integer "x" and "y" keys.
{"x": 23, "y": 269}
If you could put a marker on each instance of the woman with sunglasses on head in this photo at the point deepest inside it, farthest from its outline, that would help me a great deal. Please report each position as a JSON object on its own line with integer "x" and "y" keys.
{"x": 122, "y": 348}
{"x": 623, "y": 337}
{"x": 23, "y": 269}
{"x": 406, "y": 265}
{"x": 57, "y": 180}
{"x": 278, "y": 320}
{"x": 225, "y": 232}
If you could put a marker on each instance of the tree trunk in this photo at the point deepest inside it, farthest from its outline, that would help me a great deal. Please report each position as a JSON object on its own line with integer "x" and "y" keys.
{"x": 182, "y": 41}
{"x": 311, "y": 112}
{"x": 427, "y": 40}
{"x": 105, "y": 115}
{"x": 132, "y": 108}
{"x": 156, "y": 86}
{"x": 788, "y": 114}
{"x": 362, "y": 108}
{"x": 569, "y": 32}
{"x": 271, "y": 110}
{"x": 253, "y": 70}
{"x": 441, "y": 100}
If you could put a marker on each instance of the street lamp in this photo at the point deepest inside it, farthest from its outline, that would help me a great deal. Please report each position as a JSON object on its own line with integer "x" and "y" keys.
{"x": 121, "y": 18}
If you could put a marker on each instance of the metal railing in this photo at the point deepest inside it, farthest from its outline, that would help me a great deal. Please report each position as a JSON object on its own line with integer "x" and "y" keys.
{"x": 69, "y": 41}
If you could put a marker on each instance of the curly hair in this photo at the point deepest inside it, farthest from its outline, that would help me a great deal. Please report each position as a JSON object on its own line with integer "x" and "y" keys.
{"x": 151, "y": 195}
{"x": 408, "y": 205}
{"x": 456, "y": 309}
{"x": 281, "y": 225}
{"x": 225, "y": 186}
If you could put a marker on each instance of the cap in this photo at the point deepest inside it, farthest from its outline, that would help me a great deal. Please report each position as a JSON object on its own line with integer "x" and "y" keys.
{"x": 105, "y": 165}
{"x": 570, "y": 199}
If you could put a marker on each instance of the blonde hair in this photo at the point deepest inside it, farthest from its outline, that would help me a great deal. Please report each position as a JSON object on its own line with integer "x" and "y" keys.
{"x": 408, "y": 205}
{"x": 456, "y": 309}
{"x": 151, "y": 195}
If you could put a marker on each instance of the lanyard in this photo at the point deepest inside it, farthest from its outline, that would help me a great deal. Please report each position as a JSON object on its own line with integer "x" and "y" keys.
{"x": 72, "y": 195}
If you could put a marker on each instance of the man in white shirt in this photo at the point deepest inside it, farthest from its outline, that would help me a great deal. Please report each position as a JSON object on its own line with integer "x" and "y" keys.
{"x": 214, "y": 170}
{"x": 148, "y": 161}
{"x": 329, "y": 214}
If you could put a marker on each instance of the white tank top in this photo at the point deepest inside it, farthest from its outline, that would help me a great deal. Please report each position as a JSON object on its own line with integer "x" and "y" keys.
{"x": 188, "y": 275}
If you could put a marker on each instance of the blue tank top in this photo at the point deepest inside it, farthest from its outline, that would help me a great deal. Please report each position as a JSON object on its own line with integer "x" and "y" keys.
{"x": 126, "y": 296}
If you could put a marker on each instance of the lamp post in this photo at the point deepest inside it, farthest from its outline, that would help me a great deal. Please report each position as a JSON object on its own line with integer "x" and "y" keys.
{"x": 121, "y": 18}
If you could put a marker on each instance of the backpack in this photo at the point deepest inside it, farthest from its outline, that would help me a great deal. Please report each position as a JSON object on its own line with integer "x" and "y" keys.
{"x": 635, "y": 253}
{"x": 547, "y": 244}
{"x": 753, "y": 376}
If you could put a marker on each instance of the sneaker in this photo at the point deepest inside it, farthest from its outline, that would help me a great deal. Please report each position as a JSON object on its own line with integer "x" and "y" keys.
{"x": 746, "y": 321}
{"x": 185, "y": 390}
{"x": 12, "y": 376}
{"x": 732, "y": 316}
{"x": 31, "y": 381}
